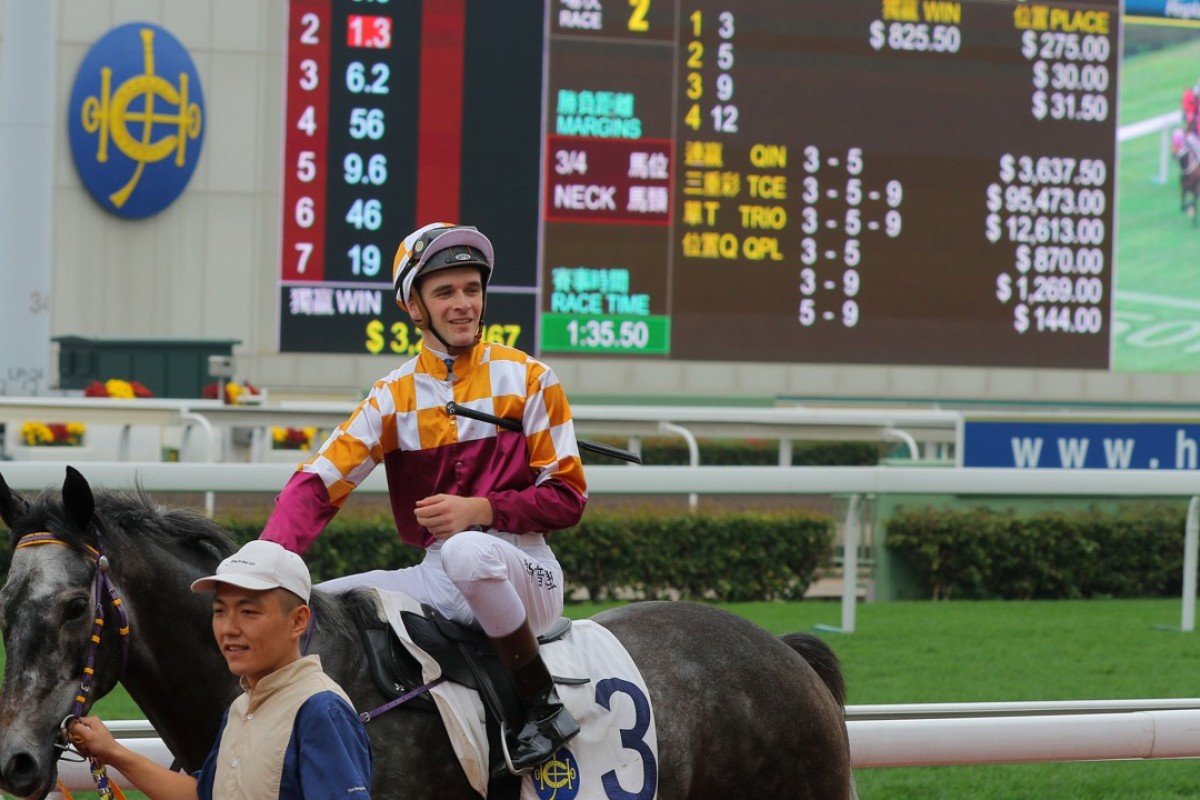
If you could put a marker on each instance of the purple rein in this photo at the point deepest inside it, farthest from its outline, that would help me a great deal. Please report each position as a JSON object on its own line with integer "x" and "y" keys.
{"x": 104, "y": 587}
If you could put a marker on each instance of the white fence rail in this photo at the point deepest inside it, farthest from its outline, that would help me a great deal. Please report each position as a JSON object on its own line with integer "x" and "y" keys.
{"x": 854, "y": 482}
{"x": 202, "y": 477}
{"x": 205, "y": 424}
{"x": 936, "y": 734}
{"x": 1163, "y": 124}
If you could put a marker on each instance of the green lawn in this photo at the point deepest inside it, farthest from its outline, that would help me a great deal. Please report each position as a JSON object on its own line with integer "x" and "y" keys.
{"x": 918, "y": 652}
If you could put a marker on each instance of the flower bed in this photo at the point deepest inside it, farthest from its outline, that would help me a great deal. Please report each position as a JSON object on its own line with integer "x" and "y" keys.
{"x": 52, "y": 434}
{"x": 235, "y": 393}
{"x": 292, "y": 438}
{"x": 115, "y": 387}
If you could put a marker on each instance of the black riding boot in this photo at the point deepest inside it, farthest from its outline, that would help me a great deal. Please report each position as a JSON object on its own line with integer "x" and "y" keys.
{"x": 548, "y": 725}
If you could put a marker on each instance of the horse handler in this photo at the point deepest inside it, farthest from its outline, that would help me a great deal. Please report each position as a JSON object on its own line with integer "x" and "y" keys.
{"x": 293, "y": 733}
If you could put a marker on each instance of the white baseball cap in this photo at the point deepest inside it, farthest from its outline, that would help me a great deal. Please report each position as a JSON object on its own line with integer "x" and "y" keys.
{"x": 261, "y": 565}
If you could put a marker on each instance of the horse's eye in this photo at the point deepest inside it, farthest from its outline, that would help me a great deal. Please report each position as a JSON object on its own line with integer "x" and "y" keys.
{"x": 75, "y": 609}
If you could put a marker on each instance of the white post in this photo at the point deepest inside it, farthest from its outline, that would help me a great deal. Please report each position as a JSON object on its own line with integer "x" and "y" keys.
{"x": 1191, "y": 538}
{"x": 850, "y": 566}
{"x": 693, "y": 452}
{"x": 1164, "y": 150}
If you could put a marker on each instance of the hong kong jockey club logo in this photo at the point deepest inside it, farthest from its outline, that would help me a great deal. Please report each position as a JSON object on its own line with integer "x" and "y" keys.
{"x": 558, "y": 778}
{"x": 136, "y": 120}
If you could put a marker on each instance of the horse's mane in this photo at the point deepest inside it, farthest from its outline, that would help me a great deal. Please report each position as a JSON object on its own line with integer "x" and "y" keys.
{"x": 334, "y": 613}
{"x": 134, "y": 517}
{"x": 128, "y": 515}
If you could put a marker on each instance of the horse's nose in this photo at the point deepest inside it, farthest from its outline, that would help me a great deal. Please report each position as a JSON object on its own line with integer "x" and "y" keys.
{"x": 21, "y": 773}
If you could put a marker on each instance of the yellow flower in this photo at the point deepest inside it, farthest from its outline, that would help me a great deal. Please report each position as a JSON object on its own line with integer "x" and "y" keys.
{"x": 119, "y": 388}
{"x": 43, "y": 434}
{"x": 293, "y": 438}
{"x": 36, "y": 433}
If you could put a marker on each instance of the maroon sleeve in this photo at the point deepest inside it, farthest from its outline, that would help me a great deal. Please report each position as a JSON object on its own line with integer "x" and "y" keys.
{"x": 302, "y": 510}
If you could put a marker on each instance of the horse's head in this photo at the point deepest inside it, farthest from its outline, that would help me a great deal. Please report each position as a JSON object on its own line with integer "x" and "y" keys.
{"x": 46, "y": 617}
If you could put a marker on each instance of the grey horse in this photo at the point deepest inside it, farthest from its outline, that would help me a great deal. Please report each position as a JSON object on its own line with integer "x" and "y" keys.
{"x": 737, "y": 710}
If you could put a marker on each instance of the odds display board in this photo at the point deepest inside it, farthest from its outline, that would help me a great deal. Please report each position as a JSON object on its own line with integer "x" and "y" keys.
{"x": 862, "y": 181}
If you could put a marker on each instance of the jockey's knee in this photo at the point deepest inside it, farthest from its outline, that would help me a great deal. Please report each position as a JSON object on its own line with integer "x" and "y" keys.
{"x": 472, "y": 556}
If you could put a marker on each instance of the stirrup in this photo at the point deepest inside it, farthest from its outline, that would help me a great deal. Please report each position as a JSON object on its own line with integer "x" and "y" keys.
{"x": 512, "y": 770}
{"x": 562, "y": 735}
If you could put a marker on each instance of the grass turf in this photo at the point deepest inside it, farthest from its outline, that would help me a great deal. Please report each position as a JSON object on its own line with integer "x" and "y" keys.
{"x": 917, "y": 652}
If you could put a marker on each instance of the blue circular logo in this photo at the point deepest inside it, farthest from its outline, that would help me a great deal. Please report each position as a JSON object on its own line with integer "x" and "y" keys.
{"x": 136, "y": 120}
{"x": 558, "y": 778}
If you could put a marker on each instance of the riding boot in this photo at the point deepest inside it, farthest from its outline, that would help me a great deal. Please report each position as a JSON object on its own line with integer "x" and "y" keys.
{"x": 547, "y": 725}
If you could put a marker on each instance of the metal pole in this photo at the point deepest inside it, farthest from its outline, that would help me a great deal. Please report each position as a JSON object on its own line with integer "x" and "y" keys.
{"x": 850, "y": 566}
{"x": 693, "y": 452}
{"x": 1191, "y": 539}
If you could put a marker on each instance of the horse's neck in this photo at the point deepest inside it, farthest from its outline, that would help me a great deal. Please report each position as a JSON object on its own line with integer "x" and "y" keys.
{"x": 175, "y": 673}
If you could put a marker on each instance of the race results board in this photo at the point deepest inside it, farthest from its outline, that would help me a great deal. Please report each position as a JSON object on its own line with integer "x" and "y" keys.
{"x": 883, "y": 181}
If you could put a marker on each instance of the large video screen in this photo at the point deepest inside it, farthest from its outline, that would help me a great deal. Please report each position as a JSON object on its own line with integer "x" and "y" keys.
{"x": 941, "y": 182}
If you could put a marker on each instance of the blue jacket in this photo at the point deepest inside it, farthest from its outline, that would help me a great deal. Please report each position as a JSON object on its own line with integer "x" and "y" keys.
{"x": 328, "y": 755}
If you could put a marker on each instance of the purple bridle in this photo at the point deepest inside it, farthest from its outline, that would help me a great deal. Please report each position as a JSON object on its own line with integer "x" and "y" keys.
{"x": 103, "y": 588}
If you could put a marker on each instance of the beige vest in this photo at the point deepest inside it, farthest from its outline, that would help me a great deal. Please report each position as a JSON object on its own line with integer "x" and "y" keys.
{"x": 256, "y": 736}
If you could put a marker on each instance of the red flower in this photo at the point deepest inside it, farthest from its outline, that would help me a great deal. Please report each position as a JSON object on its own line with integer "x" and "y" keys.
{"x": 233, "y": 390}
{"x": 95, "y": 389}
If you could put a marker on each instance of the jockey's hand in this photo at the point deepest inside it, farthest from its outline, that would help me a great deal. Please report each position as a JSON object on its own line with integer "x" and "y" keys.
{"x": 92, "y": 738}
{"x": 444, "y": 515}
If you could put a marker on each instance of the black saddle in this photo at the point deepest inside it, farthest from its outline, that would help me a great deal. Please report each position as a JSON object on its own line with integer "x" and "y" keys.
{"x": 465, "y": 655}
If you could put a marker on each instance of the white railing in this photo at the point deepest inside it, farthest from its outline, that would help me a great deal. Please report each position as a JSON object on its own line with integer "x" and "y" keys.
{"x": 934, "y": 734}
{"x": 1162, "y": 125}
{"x": 932, "y": 429}
{"x": 643, "y": 480}
{"x": 852, "y": 482}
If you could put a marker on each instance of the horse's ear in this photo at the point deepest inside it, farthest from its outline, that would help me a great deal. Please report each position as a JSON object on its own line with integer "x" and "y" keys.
{"x": 77, "y": 499}
{"x": 12, "y": 505}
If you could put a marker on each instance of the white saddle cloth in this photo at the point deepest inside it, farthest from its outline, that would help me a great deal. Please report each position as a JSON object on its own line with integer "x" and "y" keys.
{"x": 616, "y": 751}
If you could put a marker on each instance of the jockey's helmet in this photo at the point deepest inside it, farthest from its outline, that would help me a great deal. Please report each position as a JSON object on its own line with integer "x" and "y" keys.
{"x": 439, "y": 245}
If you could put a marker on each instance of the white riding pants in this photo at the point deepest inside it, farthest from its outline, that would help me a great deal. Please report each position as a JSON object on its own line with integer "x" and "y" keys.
{"x": 489, "y": 579}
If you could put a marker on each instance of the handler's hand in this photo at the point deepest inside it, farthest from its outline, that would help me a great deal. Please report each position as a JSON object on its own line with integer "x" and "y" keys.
{"x": 444, "y": 515}
{"x": 92, "y": 738}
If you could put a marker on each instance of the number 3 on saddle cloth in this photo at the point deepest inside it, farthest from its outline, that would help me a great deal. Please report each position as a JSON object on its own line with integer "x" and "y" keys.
{"x": 616, "y": 751}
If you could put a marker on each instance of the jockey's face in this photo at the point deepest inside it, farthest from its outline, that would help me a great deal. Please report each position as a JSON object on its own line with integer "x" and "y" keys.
{"x": 449, "y": 307}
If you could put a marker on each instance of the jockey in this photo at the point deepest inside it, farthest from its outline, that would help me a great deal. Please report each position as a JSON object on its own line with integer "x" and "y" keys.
{"x": 1190, "y": 104}
{"x": 479, "y": 499}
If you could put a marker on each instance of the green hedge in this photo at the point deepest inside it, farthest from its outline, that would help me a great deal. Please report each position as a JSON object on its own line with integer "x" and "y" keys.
{"x": 981, "y": 554}
{"x": 669, "y": 451}
{"x": 725, "y": 556}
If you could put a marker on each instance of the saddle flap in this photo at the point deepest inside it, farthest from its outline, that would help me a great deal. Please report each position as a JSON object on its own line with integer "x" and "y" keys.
{"x": 429, "y": 633}
{"x": 393, "y": 669}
